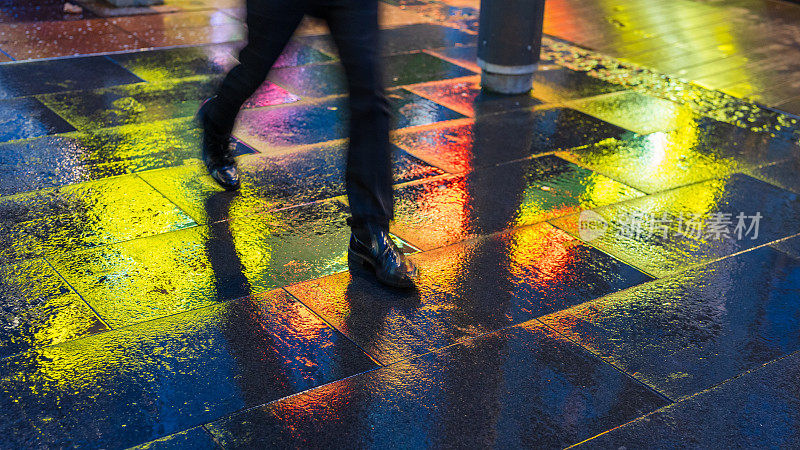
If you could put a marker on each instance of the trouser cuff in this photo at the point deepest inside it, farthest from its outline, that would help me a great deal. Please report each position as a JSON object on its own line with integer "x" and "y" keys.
{"x": 361, "y": 222}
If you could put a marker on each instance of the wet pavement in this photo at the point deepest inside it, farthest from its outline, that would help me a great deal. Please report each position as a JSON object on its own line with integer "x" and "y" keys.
{"x": 612, "y": 260}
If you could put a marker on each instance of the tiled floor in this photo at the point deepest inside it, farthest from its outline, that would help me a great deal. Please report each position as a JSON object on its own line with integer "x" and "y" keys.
{"x": 616, "y": 250}
{"x": 747, "y": 48}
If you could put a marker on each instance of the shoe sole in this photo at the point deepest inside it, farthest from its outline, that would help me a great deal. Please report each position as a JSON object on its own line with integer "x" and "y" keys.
{"x": 354, "y": 259}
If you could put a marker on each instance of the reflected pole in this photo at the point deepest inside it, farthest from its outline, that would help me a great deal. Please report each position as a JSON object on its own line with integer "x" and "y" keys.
{"x": 509, "y": 43}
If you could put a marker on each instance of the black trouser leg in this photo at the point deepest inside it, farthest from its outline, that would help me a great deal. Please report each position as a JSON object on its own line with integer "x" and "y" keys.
{"x": 354, "y": 27}
{"x": 270, "y": 25}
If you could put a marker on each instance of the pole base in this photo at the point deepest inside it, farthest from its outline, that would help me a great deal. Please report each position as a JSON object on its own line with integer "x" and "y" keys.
{"x": 507, "y": 84}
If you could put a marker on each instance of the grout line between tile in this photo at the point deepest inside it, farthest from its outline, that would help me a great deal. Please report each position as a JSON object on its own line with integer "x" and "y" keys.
{"x": 99, "y": 317}
{"x": 213, "y": 437}
{"x": 604, "y": 360}
{"x": 333, "y": 327}
{"x": 686, "y": 398}
{"x": 4, "y": 53}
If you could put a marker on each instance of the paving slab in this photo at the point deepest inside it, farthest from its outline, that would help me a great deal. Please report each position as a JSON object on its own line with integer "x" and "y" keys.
{"x": 467, "y": 290}
{"x": 23, "y": 118}
{"x": 141, "y": 383}
{"x": 169, "y": 33}
{"x": 322, "y": 80}
{"x": 758, "y": 409}
{"x": 690, "y": 332}
{"x": 43, "y": 77}
{"x": 523, "y": 387}
{"x": 274, "y": 181}
{"x": 145, "y": 102}
{"x": 466, "y": 96}
{"x": 465, "y": 56}
{"x": 404, "y": 39}
{"x": 552, "y": 85}
{"x": 163, "y": 64}
{"x": 45, "y": 39}
{"x": 130, "y": 282}
{"x": 669, "y": 232}
{"x": 40, "y": 309}
{"x": 493, "y": 139}
{"x": 492, "y": 199}
{"x": 637, "y": 112}
{"x": 196, "y": 438}
{"x": 666, "y": 160}
{"x": 80, "y": 216}
{"x": 782, "y": 174}
{"x": 52, "y": 161}
{"x": 281, "y": 128}
{"x": 145, "y": 23}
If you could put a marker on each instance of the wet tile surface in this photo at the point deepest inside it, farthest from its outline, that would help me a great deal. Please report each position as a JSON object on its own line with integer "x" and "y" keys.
{"x": 129, "y": 282}
{"x": 171, "y": 31}
{"x": 162, "y": 242}
{"x": 45, "y": 162}
{"x": 318, "y": 80}
{"x": 392, "y": 15}
{"x": 671, "y": 231}
{"x": 274, "y": 181}
{"x": 154, "y": 23}
{"x": 637, "y": 112}
{"x": 563, "y": 84}
{"x": 23, "y": 118}
{"x": 495, "y": 139}
{"x": 466, "y": 291}
{"x": 159, "y": 65}
{"x": 413, "y": 68}
{"x": 70, "y": 218}
{"x": 462, "y": 17}
{"x": 523, "y": 274}
{"x": 39, "y": 309}
{"x": 759, "y": 409}
{"x": 782, "y": 174}
{"x": 281, "y": 127}
{"x": 666, "y": 160}
{"x": 789, "y": 246}
{"x": 42, "y": 77}
{"x": 465, "y": 96}
{"x": 390, "y": 325}
{"x": 463, "y": 56}
{"x": 407, "y": 38}
{"x": 54, "y": 161}
{"x": 493, "y": 199}
{"x": 196, "y": 438}
{"x": 269, "y": 94}
{"x": 322, "y": 80}
{"x": 145, "y": 382}
{"x": 792, "y": 106}
{"x": 141, "y": 103}
{"x": 687, "y": 333}
{"x": 297, "y": 54}
{"x": 48, "y": 39}
{"x": 421, "y": 402}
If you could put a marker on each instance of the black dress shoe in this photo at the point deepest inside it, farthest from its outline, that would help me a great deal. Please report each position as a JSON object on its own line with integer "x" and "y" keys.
{"x": 216, "y": 153}
{"x": 381, "y": 255}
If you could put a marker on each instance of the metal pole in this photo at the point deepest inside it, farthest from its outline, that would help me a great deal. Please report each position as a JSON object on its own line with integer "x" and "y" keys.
{"x": 509, "y": 42}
